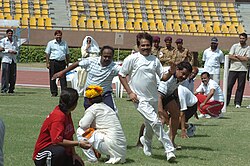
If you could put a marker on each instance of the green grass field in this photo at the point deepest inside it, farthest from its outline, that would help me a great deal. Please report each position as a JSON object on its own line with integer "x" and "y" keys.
{"x": 217, "y": 141}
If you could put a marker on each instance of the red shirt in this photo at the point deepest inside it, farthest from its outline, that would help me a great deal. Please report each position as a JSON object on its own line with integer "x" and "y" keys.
{"x": 56, "y": 127}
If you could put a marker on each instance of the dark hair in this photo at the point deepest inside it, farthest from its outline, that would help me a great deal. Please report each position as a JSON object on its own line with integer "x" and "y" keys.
{"x": 243, "y": 34}
{"x": 58, "y": 32}
{"x": 208, "y": 75}
{"x": 9, "y": 30}
{"x": 108, "y": 47}
{"x": 146, "y": 36}
{"x": 97, "y": 99}
{"x": 68, "y": 99}
{"x": 184, "y": 65}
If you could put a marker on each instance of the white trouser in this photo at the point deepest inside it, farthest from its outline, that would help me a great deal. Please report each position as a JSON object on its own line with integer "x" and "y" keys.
{"x": 216, "y": 78}
{"x": 153, "y": 124}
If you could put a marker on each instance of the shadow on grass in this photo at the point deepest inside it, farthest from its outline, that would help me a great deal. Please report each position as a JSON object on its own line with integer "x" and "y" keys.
{"x": 18, "y": 94}
{"x": 190, "y": 156}
{"x": 128, "y": 160}
{"x": 133, "y": 146}
{"x": 201, "y": 135}
{"x": 163, "y": 157}
{"x": 197, "y": 148}
{"x": 206, "y": 125}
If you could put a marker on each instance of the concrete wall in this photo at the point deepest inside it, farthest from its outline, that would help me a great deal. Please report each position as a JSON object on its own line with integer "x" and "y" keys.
{"x": 74, "y": 39}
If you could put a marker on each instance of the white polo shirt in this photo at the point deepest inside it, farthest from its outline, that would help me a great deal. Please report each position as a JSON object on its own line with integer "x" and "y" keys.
{"x": 57, "y": 51}
{"x": 218, "y": 94}
{"x": 186, "y": 97}
{"x": 168, "y": 87}
{"x": 213, "y": 59}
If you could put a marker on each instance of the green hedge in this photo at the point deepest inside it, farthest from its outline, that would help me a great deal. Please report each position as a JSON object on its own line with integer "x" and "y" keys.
{"x": 36, "y": 54}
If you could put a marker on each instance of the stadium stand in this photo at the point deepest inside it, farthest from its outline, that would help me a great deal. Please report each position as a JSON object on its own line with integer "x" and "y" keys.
{"x": 158, "y": 16}
{"x": 202, "y": 18}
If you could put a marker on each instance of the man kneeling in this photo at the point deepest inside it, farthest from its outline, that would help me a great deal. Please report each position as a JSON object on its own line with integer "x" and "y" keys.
{"x": 107, "y": 136}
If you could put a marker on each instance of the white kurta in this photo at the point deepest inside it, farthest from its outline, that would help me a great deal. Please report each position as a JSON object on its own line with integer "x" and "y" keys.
{"x": 108, "y": 133}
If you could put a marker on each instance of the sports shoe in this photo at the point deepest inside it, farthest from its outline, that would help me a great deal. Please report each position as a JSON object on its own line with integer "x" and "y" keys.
{"x": 146, "y": 147}
{"x": 170, "y": 156}
{"x": 191, "y": 130}
{"x": 248, "y": 106}
{"x": 237, "y": 106}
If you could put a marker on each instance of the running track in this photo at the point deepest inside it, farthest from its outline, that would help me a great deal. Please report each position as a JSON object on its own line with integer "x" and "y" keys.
{"x": 37, "y": 77}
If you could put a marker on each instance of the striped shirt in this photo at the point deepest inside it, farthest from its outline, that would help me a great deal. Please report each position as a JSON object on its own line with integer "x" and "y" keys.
{"x": 98, "y": 74}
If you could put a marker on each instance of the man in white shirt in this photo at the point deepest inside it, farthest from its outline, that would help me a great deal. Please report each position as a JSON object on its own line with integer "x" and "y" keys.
{"x": 239, "y": 56}
{"x": 108, "y": 137}
{"x": 8, "y": 62}
{"x": 143, "y": 68}
{"x": 57, "y": 58}
{"x": 210, "y": 97}
{"x": 213, "y": 57}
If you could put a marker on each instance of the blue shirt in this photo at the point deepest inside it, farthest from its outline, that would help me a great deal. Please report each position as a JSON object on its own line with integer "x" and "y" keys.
{"x": 99, "y": 75}
{"x": 57, "y": 51}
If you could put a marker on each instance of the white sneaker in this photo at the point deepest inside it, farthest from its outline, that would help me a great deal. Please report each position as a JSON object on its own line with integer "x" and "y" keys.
{"x": 248, "y": 106}
{"x": 146, "y": 148}
{"x": 237, "y": 106}
{"x": 170, "y": 156}
{"x": 207, "y": 116}
{"x": 201, "y": 116}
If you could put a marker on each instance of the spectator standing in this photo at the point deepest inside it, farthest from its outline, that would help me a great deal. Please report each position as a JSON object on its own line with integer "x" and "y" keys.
{"x": 213, "y": 57}
{"x": 156, "y": 46}
{"x": 55, "y": 145}
{"x": 239, "y": 56}
{"x": 210, "y": 97}
{"x": 167, "y": 53}
{"x": 142, "y": 67}
{"x": 90, "y": 48}
{"x": 181, "y": 53}
{"x": 57, "y": 58}
{"x": 101, "y": 71}
{"x": 9, "y": 53}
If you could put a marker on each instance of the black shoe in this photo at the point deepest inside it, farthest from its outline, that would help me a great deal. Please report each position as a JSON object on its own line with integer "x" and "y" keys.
{"x": 11, "y": 91}
{"x": 54, "y": 95}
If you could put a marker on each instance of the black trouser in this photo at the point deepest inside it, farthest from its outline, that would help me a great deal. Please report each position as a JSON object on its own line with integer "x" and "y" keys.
{"x": 56, "y": 66}
{"x": 8, "y": 77}
{"x": 54, "y": 155}
{"x": 190, "y": 112}
{"x": 240, "y": 76}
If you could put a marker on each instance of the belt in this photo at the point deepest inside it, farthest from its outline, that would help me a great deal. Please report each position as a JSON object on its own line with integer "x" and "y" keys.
{"x": 53, "y": 60}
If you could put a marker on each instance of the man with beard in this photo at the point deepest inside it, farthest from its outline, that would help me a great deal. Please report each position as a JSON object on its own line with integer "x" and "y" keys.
{"x": 101, "y": 71}
{"x": 239, "y": 56}
{"x": 213, "y": 57}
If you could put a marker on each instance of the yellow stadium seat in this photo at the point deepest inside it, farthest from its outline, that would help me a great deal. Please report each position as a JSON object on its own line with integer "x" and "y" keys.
{"x": 73, "y": 23}
{"x": 232, "y": 29}
{"x": 169, "y": 27}
{"x": 48, "y": 23}
{"x": 145, "y": 26}
{"x": 152, "y": 26}
{"x": 129, "y": 26}
{"x": 32, "y": 22}
{"x": 25, "y": 22}
{"x": 40, "y": 23}
{"x": 105, "y": 25}
{"x": 97, "y": 25}
{"x": 90, "y": 24}
{"x": 160, "y": 26}
{"x": 184, "y": 27}
{"x": 224, "y": 29}
{"x": 216, "y": 29}
{"x": 137, "y": 26}
{"x": 8, "y": 17}
{"x": 17, "y": 17}
{"x": 192, "y": 28}
{"x": 240, "y": 28}
{"x": 121, "y": 25}
{"x": 113, "y": 25}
